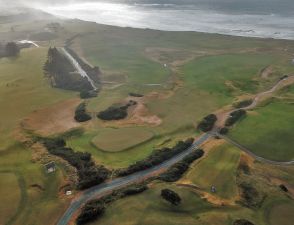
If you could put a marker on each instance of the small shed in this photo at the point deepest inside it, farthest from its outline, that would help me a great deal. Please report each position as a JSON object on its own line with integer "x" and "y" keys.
{"x": 50, "y": 167}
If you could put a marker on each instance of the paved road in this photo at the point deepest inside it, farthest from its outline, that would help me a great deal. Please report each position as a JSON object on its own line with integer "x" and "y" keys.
{"x": 79, "y": 68}
{"x": 105, "y": 188}
{"x": 249, "y": 152}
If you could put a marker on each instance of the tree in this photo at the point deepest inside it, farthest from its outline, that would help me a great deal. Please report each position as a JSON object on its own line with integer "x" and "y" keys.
{"x": 11, "y": 49}
{"x": 170, "y": 196}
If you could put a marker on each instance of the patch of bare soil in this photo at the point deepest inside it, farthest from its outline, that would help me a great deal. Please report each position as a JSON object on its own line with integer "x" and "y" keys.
{"x": 57, "y": 118}
{"x": 266, "y": 72}
{"x": 139, "y": 114}
{"x": 213, "y": 199}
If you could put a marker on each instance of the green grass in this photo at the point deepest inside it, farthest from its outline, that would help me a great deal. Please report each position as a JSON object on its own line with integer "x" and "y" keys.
{"x": 116, "y": 140}
{"x": 273, "y": 131}
{"x": 217, "y": 169}
{"x": 211, "y": 73}
{"x": 35, "y": 205}
{"x": 149, "y": 208}
{"x": 129, "y": 156}
{"x": 281, "y": 213}
{"x": 23, "y": 89}
{"x": 10, "y": 195}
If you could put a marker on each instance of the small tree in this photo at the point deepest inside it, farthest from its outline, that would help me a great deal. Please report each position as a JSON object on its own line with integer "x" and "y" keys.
{"x": 171, "y": 196}
{"x": 11, "y": 49}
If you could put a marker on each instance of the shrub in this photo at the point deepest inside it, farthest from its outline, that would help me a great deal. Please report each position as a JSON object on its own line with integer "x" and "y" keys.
{"x": 250, "y": 196}
{"x": 91, "y": 211}
{"x": 207, "y": 123}
{"x": 235, "y": 116}
{"x": 243, "y": 103}
{"x": 242, "y": 222}
{"x": 224, "y": 130}
{"x": 170, "y": 196}
{"x": 283, "y": 188}
{"x": 80, "y": 114}
{"x": 135, "y": 95}
{"x": 88, "y": 94}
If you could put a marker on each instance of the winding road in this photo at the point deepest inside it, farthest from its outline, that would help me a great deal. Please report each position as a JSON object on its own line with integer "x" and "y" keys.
{"x": 254, "y": 103}
{"x": 105, "y": 188}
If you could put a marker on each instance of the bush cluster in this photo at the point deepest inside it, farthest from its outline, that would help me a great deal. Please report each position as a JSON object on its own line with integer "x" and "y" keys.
{"x": 171, "y": 196}
{"x": 242, "y": 222}
{"x": 95, "y": 208}
{"x": 116, "y": 112}
{"x": 88, "y": 94}
{"x": 207, "y": 123}
{"x": 156, "y": 157}
{"x": 80, "y": 113}
{"x": 89, "y": 174}
{"x": 243, "y": 103}
{"x": 250, "y": 196}
{"x": 136, "y": 95}
{"x": 235, "y": 116}
{"x": 176, "y": 171}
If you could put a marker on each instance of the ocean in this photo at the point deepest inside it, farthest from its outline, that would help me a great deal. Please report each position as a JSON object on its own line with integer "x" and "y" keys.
{"x": 253, "y": 18}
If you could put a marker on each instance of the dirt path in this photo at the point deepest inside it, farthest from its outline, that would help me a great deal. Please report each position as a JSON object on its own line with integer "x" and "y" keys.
{"x": 223, "y": 114}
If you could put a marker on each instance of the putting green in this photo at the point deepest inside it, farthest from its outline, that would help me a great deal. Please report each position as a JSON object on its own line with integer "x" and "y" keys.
{"x": 116, "y": 140}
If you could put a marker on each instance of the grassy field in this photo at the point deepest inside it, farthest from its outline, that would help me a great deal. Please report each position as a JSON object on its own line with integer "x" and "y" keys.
{"x": 281, "y": 213}
{"x": 211, "y": 71}
{"x": 125, "y": 158}
{"x": 217, "y": 169}
{"x": 149, "y": 208}
{"x": 10, "y": 195}
{"x": 116, "y": 140}
{"x": 24, "y": 201}
{"x": 273, "y": 131}
{"x": 23, "y": 89}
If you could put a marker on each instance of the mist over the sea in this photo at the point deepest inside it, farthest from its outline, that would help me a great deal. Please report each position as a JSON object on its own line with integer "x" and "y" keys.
{"x": 256, "y": 18}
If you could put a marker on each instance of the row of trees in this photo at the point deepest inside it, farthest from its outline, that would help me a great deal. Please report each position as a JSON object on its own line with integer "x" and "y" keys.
{"x": 89, "y": 173}
{"x": 93, "y": 72}
{"x": 156, "y": 157}
{"x": 176, "y": 171}
{"x": 96, "y": 208}
{"x": 207, "y": 123}
{"x": 61, "y": 73}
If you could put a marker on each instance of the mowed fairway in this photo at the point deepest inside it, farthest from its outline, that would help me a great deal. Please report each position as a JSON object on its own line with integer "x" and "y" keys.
{"x": 10, "y": 195}
{"x": 24, "y": 89}
{"x": 217, "y": 169}
{"x": 273, "y": 131}
{"x": 115, "y": 140}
